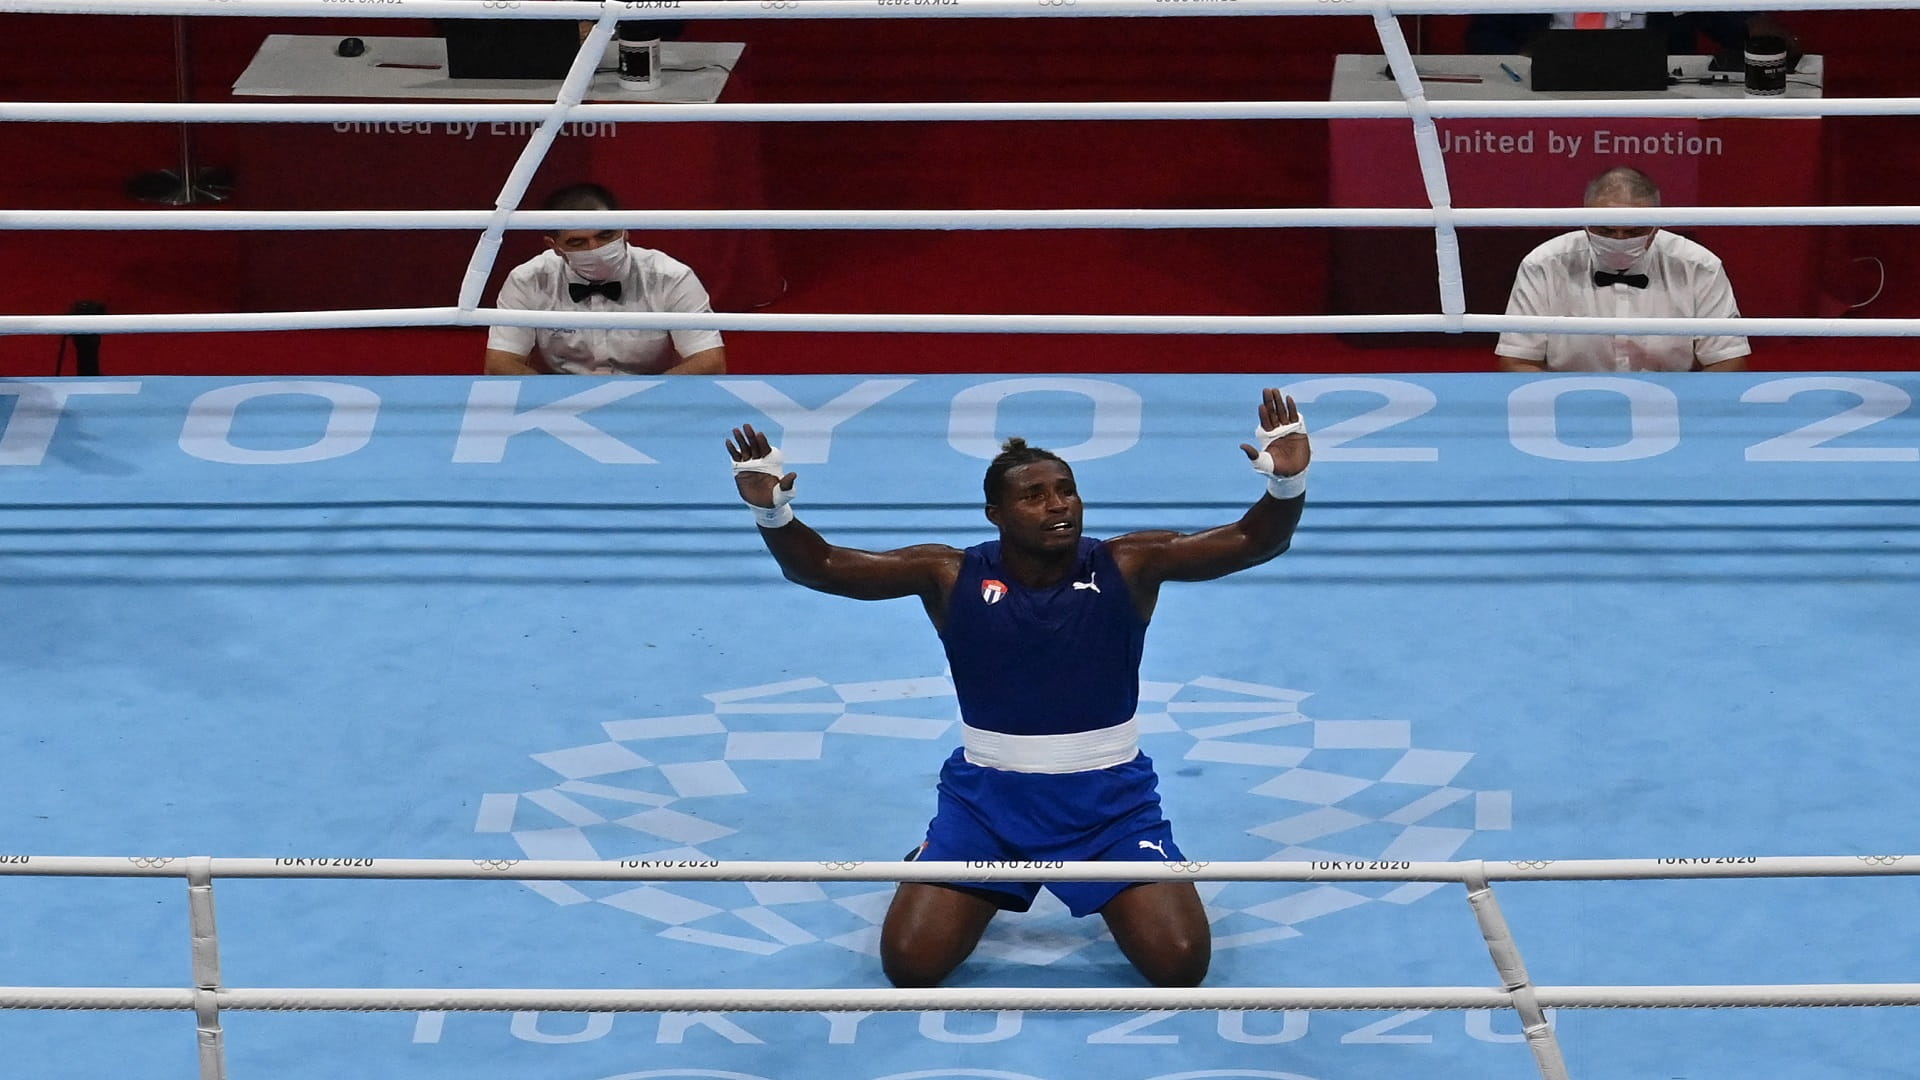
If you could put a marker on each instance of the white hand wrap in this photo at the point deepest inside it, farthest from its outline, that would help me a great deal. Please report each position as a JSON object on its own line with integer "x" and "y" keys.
{"x": 1280, "y": 487}
{"x": 773, "y": 463}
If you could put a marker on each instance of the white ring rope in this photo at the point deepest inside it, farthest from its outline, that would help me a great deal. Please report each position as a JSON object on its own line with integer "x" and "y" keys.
{"x": 716, "y": 219}
{"x": 816, "y": 323}
{"x": 865, "y": 9}
{"x": 973, "y": 999}
{"x": 245, "y": 112}
{"x": 1463, "y": 872}
{"x": 1518, "y": 992}
{"x": 1000, "y": 220}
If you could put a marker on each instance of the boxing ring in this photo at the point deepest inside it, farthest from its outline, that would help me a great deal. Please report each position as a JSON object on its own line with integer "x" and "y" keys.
{"x": 521, "y": 635}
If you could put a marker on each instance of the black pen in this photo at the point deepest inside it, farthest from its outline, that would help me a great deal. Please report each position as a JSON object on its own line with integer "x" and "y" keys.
{"x": 1511, "y": 74}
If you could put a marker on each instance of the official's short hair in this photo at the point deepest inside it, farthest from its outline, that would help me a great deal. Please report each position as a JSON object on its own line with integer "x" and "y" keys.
{"x": 1014, "y": 453}
{"x": 1623, "y": 184}
{"x": 580, "y": 197}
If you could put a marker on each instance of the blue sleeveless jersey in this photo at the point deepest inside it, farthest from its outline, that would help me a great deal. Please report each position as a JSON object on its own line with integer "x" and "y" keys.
{"x": 1046, "y": 662}
{"x": 1043, "y": 661}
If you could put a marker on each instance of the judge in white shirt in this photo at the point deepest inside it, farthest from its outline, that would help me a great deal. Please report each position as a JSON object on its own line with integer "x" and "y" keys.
{"x": 1614, "y": 272}
{"x": 593, "y": 270}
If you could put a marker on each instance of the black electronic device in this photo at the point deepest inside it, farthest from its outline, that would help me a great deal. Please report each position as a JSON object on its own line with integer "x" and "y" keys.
{"x": 1615, "y": 60}
{"x": 510, "y": 48}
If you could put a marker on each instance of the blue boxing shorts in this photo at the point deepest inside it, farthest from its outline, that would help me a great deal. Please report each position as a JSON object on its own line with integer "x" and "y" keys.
{"x": 993, "y": 815}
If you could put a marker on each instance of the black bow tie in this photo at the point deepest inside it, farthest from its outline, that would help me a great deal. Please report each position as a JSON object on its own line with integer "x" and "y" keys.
{"x": 611, "y": 290}
{"x": 1601, "y": 278}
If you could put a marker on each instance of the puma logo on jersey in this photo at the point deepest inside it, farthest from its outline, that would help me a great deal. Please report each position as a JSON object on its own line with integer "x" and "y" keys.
{"x": 1089, "y": 583}
{"x": 1154, "y": 845}
{"x": 993, "y": 591}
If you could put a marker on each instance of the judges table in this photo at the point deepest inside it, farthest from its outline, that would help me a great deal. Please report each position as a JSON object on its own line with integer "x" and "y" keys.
{"x": 418, "y": 165}
{"x": 1548, "y": 161}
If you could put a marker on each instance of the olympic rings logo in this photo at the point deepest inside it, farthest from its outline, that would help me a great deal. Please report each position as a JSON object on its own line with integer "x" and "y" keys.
{"x": 779, "y": 5}
{"x": 1531, "y": 864}
{"x": 1188, "y": 867}
{"x": 149, "y": 862}
{"x": 496, "y": 864}
{"x": 1058, "y": 3}
{"x": 1879, "y": 860}
{"x": 500, "y": 5}
{"x": 841, "y": 865}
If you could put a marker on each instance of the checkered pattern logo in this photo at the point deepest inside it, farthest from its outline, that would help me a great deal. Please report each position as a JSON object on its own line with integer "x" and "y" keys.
{"x": 1245, "y": 773}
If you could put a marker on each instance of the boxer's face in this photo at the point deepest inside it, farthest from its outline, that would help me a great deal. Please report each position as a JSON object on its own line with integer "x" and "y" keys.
{"x": 1039, "y": 507}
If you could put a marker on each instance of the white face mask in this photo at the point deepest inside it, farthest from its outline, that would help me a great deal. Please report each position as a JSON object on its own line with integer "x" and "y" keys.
{"x": 1617, "y": 255}
{"x": 604, "y": 263}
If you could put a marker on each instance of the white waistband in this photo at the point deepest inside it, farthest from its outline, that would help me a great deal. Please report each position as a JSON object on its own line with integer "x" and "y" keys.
{"x": 1080, "y": 751}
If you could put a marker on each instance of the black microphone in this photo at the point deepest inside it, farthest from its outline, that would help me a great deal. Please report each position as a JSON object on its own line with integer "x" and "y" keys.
{"x": 86, "y": 347}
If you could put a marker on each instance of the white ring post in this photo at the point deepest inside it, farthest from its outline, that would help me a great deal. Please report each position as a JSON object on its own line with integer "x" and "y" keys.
{"x": 206, "y": 968}
{"x": 1513, "y": 974}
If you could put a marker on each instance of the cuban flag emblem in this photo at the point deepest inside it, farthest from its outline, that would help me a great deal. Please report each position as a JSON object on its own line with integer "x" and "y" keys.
{"x": 993, "y": 591}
